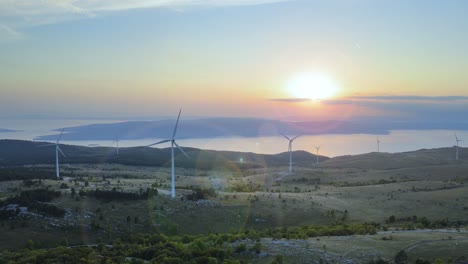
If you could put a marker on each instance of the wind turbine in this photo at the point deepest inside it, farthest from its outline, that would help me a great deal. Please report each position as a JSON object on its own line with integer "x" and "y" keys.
{"x": 290, "y": 150}
{"x": 378, "y": 145}
{"x": 173, "y": 142}
{"x": 57, "y": 150}
{"x": 317, "y": 148}
{"x": 456, "y": 140}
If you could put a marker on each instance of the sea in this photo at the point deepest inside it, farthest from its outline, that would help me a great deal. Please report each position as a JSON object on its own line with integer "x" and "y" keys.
{"x": 331, "y": 145}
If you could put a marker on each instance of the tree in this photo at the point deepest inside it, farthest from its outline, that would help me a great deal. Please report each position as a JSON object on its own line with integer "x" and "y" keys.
{"x": 401, "y": 257}
{"x": 240, "y": 248}
{"x": 278, "y": 259}
{"x": 257, "y": 247}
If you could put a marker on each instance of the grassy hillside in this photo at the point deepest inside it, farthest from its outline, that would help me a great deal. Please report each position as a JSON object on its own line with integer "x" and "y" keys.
{"x": 403, "y": 195}
{"x": 383, "y": 161}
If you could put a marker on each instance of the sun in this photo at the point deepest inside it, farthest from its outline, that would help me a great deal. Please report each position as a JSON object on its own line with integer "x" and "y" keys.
{"x": 312, "y": 85}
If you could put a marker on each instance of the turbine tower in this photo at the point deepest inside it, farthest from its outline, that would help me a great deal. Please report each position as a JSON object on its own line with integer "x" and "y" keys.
{"x": 57, "y": 150}
{"x": 290, "y": 150}
{"x": 116, "y": 145}
{"x": 173, "y": 142}
{"x": 317, "y": 148}
{"x": 456, "y": 151}
{"x": 378, "y": 145}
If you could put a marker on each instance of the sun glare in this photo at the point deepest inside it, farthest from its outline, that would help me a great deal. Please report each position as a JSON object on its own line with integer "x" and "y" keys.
{"x": 312, "y": 85}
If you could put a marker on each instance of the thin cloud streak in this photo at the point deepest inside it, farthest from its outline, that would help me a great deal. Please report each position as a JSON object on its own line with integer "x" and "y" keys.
{"x": 16, "y": 14}
{"x": 290, "y": 100}
{"x": 411, "y": 98}
{"x": 379, "y": 99}
{"x": 404, "y": 107}
{"x": 8, "y": 34}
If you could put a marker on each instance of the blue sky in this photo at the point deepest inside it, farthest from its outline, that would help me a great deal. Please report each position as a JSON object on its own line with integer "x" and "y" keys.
{"x": 231, "y": 58}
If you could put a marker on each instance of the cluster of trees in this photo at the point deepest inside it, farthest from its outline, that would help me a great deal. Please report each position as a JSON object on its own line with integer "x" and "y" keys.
{"x": 32, "y": 196}
{"x": 367, "y": 183}
{"x": 412, "y": 222}
{"x": 25, "y": 173}
{"x": 199, "y": 194}
{"x": 245, "y": 187}
{"x": 119, "y": 195}
{"x": 139, "y": 248}
{"x": 338, "y": 229}
{"x": 211, "y": 248}
{"x": 35, "y": 200}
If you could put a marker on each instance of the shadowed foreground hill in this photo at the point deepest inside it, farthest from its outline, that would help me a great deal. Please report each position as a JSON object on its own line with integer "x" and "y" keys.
{"x": 385, "y": 161}
{"x": 19, "y": 152}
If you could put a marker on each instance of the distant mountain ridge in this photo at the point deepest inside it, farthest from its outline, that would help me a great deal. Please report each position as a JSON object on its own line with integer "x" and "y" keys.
{"x": 20, "y": 152}
{"x": 4, "y": 130}
{"x": 198, "y": 128}
{"x": 236, "y": 127}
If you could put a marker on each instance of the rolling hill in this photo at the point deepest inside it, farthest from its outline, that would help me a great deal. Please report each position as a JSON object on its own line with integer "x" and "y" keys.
{"x": 19, "y": 152}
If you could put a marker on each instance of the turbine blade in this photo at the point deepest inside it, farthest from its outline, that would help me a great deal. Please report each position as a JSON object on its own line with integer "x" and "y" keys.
{"x": 176, "y": 124}
{"x": 285, "y": 136}
{"x": 296, "y": 137}
{"x": 61, "y": 151}
{"x": 60, "y": 137}
{"x": 186, "y": 155}
{"x": 160, "y": 142}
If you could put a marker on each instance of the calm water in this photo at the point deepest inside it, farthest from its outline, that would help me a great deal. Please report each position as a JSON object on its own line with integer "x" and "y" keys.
{"x": 330, "y": 145}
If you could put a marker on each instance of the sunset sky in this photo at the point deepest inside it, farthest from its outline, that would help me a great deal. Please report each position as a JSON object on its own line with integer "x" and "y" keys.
{"x": 132, "y": 58}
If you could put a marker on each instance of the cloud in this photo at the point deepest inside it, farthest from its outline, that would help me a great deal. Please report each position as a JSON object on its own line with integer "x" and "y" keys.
{"x": 8, "y": 34}
{"x": 404, "y": 107}
{"x": 417, "y": 108}
{"x": 291, "y": 100}
{"x": 411, "y": 98}
{"x": 15, "y": 14}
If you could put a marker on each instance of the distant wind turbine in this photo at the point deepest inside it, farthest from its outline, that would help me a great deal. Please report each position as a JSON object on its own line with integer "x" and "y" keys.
{"x": 290, "y": 150}
{"x": 378, "y": 145}
{"x": 317, "y": 148}
{"x": 57, "y": 150}
{"x": 456, "y": 140}
{"x": 173, "y": 142}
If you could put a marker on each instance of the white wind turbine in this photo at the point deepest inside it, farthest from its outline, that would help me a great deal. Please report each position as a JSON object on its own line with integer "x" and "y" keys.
{"x": 456, "y": 140}
{"x": 378, "y": 145}
{"x": 172, "y": 140}
{"x": 57, "y": 150}
{"x": 290, "y": 150}
{"x": 317, "y": 148}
